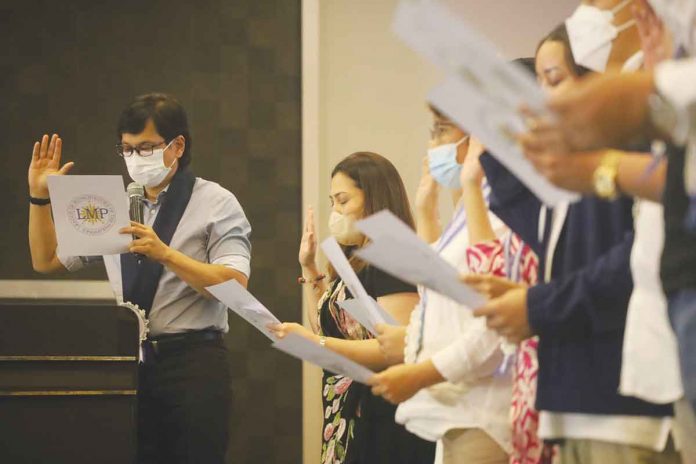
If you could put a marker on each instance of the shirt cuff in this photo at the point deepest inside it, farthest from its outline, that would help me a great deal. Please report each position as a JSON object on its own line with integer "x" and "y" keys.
{"x": 674, "y": 81}
{"x": 469, "y": 357}
{"x": 237, "y": 262}
{"x": 71, "y": 263}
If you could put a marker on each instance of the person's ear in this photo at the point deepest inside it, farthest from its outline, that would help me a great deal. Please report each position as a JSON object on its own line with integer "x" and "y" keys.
{"x": 180, "y": 144}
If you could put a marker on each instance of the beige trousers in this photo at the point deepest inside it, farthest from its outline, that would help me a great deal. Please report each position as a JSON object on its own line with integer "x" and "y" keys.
{"x": 686, "y": 427}
{"x": 471, "y": 446}
{"x": 599, "y": 452}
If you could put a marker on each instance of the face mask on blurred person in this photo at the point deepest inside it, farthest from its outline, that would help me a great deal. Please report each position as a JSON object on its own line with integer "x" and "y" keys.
{"x": 591, "y": 33}
{"x": 149, "y": 171}
{"x": 443, "y": 164}
{"x": 342, "y": 228}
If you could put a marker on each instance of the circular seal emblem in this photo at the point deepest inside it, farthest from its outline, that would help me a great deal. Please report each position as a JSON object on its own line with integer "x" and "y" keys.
{"x": 91, "y": 214}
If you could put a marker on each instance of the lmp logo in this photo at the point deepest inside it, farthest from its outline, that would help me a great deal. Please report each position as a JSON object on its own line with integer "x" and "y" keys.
{"x": 91, "y": 214}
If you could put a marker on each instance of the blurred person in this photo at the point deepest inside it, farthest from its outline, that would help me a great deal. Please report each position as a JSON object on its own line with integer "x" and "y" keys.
{"x": 650, "y": 370}
{"x": 581, "y": 308}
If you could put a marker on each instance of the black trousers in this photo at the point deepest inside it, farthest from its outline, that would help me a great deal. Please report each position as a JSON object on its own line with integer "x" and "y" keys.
{"x": 184, "y": 400}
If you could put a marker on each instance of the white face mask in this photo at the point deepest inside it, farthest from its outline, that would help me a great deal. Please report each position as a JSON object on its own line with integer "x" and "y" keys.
{"x": 591, "y": 33}
{"x": 149, "y": 171}
{"x": 342, "y": 228}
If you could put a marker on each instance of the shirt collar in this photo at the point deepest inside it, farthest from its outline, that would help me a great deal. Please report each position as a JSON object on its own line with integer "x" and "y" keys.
{"x": 159, "y": 198}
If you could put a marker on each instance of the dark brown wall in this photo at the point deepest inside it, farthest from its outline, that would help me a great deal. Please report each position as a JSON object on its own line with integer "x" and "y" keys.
{"x": 71, "y": 66}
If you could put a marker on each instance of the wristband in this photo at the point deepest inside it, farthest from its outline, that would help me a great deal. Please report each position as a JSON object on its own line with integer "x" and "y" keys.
{"x": 39, "y": 201}
{"x": 319, "y": 278}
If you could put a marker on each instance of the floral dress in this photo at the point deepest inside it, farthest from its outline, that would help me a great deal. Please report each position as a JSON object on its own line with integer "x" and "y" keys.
{"x": 359, "y": 427}
{"x": 340, "y": 401}
{"x": 513, "y": 259}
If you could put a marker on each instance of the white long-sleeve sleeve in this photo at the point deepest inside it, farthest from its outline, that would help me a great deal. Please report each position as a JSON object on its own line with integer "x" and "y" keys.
{"x": 475, "y": 354}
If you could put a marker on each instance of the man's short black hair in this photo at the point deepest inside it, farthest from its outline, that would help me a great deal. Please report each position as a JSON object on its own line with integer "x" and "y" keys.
{"x": 167, "y": 114}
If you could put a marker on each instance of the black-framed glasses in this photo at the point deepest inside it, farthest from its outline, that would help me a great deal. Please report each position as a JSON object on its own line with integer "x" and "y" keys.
{"x": 145, "y": 149}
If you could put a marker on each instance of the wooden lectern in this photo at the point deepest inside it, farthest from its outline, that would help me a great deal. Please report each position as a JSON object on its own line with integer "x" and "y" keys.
{"x": 68, "y": 374}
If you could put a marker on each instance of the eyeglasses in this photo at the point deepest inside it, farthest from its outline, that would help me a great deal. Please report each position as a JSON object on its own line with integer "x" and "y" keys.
{"x": 145, "y": 149}
{"x": 439, "y": 128}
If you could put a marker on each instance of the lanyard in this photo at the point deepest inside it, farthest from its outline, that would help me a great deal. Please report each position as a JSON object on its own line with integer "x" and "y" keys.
{"x": 454, "y": 228}
{"x": 512, "y": 262}
{"x": 456, "y": 225}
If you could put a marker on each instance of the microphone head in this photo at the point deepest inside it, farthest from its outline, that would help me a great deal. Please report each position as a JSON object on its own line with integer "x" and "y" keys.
{"x": 135, "y": 190}
{"x": 136, "y": 195}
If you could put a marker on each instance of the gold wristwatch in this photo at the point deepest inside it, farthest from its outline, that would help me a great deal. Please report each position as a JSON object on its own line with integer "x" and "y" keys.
{"x": 604, "y": 177}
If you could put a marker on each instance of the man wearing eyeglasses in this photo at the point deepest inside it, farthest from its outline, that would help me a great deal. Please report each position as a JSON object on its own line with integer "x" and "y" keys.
{"x": 194, "y": 234}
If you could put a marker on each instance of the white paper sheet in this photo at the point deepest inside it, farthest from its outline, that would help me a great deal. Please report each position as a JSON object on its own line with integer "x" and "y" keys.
{"x": 483, "y": 91}
{"x": 88, "y": 212}
{"x": 447, "y": 40}
{"x": 397, "y": 250}
{"x": 299, "y": 347}
{"x": 360, "y": 313}
{"x": 492, "y": 126}
{"x": 372, "y": 312}
{"x": 233, "y": 295}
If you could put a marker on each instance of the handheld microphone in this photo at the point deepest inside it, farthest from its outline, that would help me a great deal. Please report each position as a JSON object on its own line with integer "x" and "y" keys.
{"x": 136, "y": 194}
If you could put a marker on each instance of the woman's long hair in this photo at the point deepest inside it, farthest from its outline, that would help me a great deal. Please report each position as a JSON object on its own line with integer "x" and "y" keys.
{"x": 560, "y": 34}
{"x": 382, "y": 187}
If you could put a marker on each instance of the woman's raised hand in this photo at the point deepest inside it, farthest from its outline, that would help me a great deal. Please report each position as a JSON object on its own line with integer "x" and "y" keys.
{"x": 308, "y": 244}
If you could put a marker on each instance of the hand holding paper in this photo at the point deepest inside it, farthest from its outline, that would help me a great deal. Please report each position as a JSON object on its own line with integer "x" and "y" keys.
{"x": 233, "y": 295}
{"x": 239, "y": 300}
{"x": 299, "y": 347}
